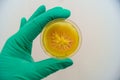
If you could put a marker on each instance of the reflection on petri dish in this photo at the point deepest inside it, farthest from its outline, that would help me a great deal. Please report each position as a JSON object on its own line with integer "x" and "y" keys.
{"x": 61, "y": 38}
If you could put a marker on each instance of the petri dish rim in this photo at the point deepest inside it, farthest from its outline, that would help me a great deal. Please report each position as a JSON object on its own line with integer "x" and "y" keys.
{"x": 74, "y": 26}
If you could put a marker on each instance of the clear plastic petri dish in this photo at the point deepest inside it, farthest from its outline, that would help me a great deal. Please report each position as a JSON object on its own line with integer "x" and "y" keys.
{"x": 61, "y": 38}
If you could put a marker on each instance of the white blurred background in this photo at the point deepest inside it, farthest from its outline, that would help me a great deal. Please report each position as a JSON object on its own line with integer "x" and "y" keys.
{"x": 99, "y": 22}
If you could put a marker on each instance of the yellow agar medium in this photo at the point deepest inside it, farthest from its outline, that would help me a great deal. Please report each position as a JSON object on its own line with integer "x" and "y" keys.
{"x": 60, "y": 38}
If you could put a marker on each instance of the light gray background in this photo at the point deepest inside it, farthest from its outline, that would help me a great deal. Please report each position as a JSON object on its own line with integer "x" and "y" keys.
{"x": 99, "y": 21}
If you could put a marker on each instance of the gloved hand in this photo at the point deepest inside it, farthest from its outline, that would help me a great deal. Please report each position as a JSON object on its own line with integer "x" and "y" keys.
{"x": 16, "y": 62}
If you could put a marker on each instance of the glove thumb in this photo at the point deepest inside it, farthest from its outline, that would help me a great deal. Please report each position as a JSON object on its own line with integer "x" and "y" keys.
{"x": 51, "y": 65}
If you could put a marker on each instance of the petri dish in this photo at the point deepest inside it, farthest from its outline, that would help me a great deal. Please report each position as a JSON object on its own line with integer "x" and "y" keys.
{"x": 61, "y": 38}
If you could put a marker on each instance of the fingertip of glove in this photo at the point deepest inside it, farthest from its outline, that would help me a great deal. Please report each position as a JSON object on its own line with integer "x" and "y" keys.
{"x": 62, "y": 63}
{"x": 66, "y": 62}
{"x": 67, "y": 12}
{"x": 59, "y": 12}
{"x": 42, "y": 7}
{"x": 23, "y": 19}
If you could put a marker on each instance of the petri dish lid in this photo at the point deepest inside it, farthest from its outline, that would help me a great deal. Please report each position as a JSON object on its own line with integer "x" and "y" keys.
{"x": 61, "y": 38}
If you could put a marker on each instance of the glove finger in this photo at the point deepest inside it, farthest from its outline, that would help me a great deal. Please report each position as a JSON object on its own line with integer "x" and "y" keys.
{"x": 51, "y": 65}
{"x": 36, "y": 25}
{"x": 39, "y": 11}
{"x": 23, "y": 22}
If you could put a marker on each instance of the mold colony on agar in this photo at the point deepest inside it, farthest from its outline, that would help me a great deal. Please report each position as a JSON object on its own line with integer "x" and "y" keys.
{"x": 60, "y": 38}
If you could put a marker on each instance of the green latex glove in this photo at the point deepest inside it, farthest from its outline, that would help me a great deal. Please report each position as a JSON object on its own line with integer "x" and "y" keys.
{"x": 16, "y": 62}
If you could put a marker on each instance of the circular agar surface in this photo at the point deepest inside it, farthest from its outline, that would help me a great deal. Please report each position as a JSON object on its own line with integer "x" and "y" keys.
{"x": 60, "y": 38}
